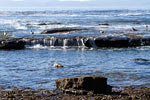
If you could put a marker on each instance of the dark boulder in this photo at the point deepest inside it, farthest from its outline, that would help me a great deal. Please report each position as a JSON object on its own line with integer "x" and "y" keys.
{"x": 118, "y": 42}
{"x": 141, "y": 59}
{"x": 96, "y": 84}
{"x": 42, "y": 24}
{"x": 114, "y": 42}
{"x": 57, "y": 23}
{"x": 12, "y": 44}
{"x": 61, "y": 30}
{"x": 104, "y": 24}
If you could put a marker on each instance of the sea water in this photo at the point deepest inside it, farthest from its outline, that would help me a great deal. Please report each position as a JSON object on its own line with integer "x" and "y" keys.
{"x": 33, "y": 66}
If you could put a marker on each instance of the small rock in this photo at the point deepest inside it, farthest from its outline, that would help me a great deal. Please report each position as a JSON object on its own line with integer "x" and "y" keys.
{"x": 57, "y": 65}
{"x": 142, "y": 61}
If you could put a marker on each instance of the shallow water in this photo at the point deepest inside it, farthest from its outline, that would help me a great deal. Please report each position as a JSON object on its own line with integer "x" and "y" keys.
{"x": 33, "y": 66}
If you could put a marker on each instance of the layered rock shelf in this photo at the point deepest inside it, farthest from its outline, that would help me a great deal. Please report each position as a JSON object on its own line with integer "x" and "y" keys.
{"x": 76, "y": 41}
{"x": 94, "y": 42}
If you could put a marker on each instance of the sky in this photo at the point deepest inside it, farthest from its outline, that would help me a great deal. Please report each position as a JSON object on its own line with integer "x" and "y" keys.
{"x": 138, "y": 4}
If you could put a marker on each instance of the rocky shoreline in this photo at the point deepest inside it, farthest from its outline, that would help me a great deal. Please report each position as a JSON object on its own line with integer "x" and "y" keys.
{"x": 95, "y": 87}
{"x": 118, "y": 93}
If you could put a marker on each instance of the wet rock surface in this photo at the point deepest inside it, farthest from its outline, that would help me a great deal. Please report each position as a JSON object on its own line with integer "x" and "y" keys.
{"x": 12, "y": 44}
{"x": 84, "y": 84}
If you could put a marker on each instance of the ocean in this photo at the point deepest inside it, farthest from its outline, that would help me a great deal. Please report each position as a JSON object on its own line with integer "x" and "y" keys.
{"x": 33, "y": 66}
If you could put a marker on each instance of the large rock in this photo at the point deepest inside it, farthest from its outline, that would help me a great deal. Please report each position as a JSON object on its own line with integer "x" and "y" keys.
{"x": 12, "y": 44}
{"x": 95, "y": 84}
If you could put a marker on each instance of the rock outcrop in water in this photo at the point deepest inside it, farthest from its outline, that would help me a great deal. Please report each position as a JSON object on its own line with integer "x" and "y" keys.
{"x": 12, "y": 44}
{"x": 61, "y": 30}
{"x": 84, "y": 84}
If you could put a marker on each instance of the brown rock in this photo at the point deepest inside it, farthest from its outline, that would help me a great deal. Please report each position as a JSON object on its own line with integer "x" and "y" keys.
{"x": 93, "y": 83}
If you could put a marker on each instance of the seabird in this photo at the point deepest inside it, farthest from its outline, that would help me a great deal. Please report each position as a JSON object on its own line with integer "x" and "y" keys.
{"x": 102, "y": 32}
{"x": 57, "y": 65}
{"x": 133, "y": 29}
{"x": 146, "y": 27}
{"x": 5, "y": 34}
{"x": 31, "y": 32}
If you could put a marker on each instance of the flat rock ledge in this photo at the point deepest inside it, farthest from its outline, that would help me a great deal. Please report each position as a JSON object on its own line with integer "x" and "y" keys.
{"x": 84, "y": 85}
{"x": 12, "y": 44}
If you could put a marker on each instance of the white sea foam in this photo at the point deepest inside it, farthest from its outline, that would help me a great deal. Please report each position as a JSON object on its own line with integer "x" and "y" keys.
{"x": 38, "y": 46}
{"x": 132, "y": 14}
{"x": 7, "y": 21}
{"x": 20, "y": 27}
{"x": 127, "y": 26}
{"x": 56, "y": 26}
{"x": 72, "y": 15}
{"x": 98, "y": 15}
